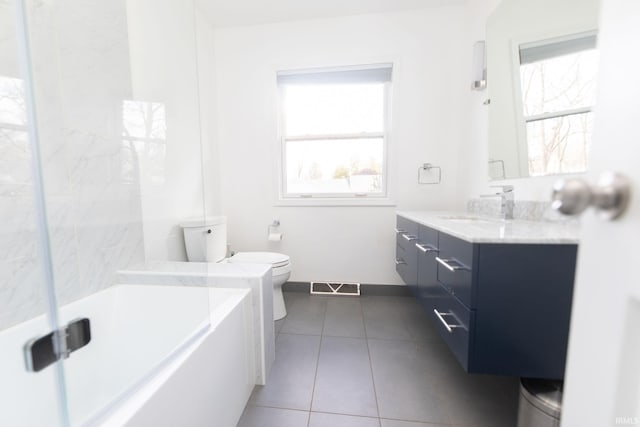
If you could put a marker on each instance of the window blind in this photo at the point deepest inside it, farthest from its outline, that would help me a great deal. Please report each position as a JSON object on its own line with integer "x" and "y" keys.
{"x": 539, "y": 51}
{"x": 375, "y": 73}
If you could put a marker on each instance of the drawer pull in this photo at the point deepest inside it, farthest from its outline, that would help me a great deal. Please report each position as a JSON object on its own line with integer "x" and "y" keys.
{"x": 400, "y": 231}
{"x": 449, "y": 327}
{"x": 409, "y": 237}
{"x": 448, "y": 263}
{"x": 426, "y": 248}
{"x": 400, "y": 261}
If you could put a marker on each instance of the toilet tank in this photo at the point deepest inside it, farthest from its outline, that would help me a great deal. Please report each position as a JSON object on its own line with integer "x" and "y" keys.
{"x": 205, "y": 239}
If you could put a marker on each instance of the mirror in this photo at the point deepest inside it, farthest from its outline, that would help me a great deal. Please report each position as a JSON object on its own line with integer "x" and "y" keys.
{"x": 541, "y": 73}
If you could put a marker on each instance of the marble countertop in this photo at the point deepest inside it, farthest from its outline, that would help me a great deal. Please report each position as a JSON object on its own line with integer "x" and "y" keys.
{"x": 481, "y": 229}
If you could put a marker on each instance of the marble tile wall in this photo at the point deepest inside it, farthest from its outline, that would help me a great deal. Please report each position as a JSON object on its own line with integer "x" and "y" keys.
{"x": 81, "y": 76}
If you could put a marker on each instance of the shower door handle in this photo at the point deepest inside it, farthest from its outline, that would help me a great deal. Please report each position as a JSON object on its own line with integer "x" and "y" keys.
{"x": 48, "y": 349}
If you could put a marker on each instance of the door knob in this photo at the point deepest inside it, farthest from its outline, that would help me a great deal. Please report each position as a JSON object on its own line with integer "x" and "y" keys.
{"x": 610, "y": 196}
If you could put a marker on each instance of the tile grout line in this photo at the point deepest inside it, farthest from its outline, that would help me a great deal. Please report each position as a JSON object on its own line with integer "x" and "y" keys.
{"x": 373, "y": 381}
{"x": 322, "y": 335}
{"x": 417, "y": 338}
{"x": 267, "y": 406}
{"x": 417, "y": 342}
{"x": 299, "y": 334}
{"x": 365, "y": 337}
{"x": 342, "y": 414}
{"x": 315, "y": 375}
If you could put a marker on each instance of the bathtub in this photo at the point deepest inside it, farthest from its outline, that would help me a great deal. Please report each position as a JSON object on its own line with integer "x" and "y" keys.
{"x": 256, "y": 277}
{"x": 159, "y": 355}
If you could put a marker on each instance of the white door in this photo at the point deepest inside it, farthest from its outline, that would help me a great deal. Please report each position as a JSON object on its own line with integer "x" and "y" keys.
{"x": 602, "y": 384}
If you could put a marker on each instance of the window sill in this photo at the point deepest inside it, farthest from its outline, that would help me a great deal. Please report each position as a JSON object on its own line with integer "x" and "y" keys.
{"x": 335, "y": 201}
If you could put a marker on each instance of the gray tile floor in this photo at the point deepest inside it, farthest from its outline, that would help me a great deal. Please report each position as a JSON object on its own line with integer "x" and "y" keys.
{"x": 371, "y": 362}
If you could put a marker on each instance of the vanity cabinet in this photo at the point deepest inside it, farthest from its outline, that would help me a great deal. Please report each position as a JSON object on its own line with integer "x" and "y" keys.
{"x": 406, "y": 252}
{"x": 502, "y": 308}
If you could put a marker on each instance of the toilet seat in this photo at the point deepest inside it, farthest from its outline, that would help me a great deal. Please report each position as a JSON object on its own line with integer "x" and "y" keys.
{"x": 274, "y": 259}
{"x": 277, "y": 271}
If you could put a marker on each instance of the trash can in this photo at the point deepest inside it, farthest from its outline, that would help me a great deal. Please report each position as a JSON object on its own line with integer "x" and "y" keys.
{"x": 540, "y": 403}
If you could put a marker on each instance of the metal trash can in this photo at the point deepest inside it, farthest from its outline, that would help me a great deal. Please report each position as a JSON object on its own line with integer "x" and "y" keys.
{"x": 540, "y": 403}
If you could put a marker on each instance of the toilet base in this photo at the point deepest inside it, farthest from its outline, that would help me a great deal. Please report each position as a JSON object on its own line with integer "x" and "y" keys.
{"x": 279, "y": 309}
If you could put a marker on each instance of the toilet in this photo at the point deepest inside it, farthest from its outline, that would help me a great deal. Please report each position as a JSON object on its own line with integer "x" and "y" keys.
{"x": 206, "y": 241}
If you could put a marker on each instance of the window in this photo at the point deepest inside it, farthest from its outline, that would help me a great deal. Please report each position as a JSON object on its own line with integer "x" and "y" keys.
{"x": 144, "y": 141}
{"x": 558, "y": 79}
{"x": 14, "y": 138}
{"x": 334, "y": 133}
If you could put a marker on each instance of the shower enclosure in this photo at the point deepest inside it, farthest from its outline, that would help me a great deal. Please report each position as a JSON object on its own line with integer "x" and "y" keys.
{"x": 101, "y": 154}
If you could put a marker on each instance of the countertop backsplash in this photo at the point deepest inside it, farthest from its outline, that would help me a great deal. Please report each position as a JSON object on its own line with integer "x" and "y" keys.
{"x": 527, "y": 210}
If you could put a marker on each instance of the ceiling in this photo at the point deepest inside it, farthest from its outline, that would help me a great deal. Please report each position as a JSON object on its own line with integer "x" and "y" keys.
{"x": 231, "y": 13}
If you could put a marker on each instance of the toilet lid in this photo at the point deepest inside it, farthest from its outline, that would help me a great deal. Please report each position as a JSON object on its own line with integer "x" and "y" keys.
{"x": 273, "y": 258}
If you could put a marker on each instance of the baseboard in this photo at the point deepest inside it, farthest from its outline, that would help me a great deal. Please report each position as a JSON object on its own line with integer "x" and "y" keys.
{"x": 368, "y": 290}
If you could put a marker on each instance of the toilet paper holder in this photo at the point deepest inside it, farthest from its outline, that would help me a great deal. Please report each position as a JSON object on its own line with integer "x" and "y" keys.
{"x": 272, "y": 227}
{"x": 273, "y": 234}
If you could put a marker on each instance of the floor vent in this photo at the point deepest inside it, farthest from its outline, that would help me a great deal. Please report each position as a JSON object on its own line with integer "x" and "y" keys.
{"x": 335, "y": 288}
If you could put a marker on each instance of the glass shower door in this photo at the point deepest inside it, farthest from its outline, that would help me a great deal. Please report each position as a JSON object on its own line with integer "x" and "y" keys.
{"x": 27, "y": 297}
{"x": 115, "y": 88}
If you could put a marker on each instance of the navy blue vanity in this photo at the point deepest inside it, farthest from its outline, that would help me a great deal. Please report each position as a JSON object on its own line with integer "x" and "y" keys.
{"x": 502, "y": 301}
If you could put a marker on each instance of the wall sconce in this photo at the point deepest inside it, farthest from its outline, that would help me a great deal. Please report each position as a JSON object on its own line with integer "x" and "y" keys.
{"x": 479, "y": 67}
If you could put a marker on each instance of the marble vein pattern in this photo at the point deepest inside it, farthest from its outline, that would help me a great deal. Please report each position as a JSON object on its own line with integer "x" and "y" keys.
{"x": 94, "y": 216}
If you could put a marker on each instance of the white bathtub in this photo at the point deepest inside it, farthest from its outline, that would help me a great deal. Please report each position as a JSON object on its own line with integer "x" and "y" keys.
{"x": 256, "y": 277}
{"x": 159, "y": 355}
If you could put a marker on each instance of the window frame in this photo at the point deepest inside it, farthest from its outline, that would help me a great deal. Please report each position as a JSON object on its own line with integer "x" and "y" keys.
{"x": 522, "y": 120}
{"x": 579, "y": 37}
{"x": 382, "y": 198}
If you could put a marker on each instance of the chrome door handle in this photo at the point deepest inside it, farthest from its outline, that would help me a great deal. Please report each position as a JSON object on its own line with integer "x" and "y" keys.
{"x": 400, "y": 261}
{"x": 446, "y": 262}
{"x": 409, "y": 237}
{"x": 426, "y": 248}
{"x": 610, "y": 196}
{"x": 449, "y": 327}
{"x": 400, "y": 231}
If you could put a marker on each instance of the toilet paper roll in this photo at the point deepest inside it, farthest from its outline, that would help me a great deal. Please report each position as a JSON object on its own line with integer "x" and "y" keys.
{"x": 275, "y": 237}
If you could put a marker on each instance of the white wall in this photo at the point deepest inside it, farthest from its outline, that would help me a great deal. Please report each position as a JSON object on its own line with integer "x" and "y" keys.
{"x": 164, "y": 69}
{"x": 475, "y": 152}
{"x": 206, "y": 64}
{"x": 428, "y": 48}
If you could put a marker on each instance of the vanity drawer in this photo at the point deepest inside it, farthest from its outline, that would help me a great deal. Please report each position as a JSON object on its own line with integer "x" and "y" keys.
{"x": 427, "y": 249}
{"x": 453, "y": 321}
{"x": 407, "y": 266}
{"x": 455, "y": 267}
{"x": 428, "y": 236}
{"x": 406, "y": 233}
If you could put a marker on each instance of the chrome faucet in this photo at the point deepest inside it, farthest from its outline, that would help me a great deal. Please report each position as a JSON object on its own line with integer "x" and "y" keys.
{"x": 507, "y": 200}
